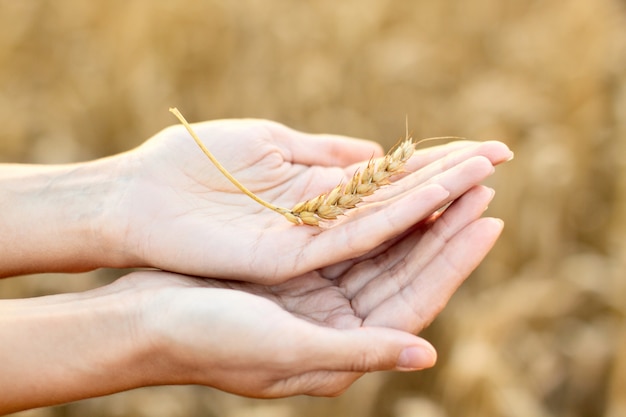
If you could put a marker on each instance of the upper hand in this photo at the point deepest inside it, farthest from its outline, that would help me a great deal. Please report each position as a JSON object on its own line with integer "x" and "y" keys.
{"x": 182, "y": 215}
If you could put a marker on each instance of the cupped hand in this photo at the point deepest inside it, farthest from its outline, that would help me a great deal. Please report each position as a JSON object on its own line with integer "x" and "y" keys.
{"x": 175, "y": 211}
{"x": 316, "y": 333}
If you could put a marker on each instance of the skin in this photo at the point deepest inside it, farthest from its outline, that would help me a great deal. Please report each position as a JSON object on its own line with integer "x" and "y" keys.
{"x": 252, "y": 304}
{"x": 313, "y": 334}
{"x": 164, "y": 205}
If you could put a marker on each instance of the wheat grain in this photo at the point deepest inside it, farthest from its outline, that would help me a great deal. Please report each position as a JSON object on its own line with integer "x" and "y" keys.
{"x": 343, "y": 197}
{"x": 363, "y": 183}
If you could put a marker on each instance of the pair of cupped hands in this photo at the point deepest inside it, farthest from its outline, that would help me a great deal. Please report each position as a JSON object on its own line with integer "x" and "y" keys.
{"x": 257, "y": 306}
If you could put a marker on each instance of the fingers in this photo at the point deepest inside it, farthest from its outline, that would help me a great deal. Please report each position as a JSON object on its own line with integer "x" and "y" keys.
{"x": 420, "y": 302}
{"x": 371, "y": 227}
{"x": 429, "y": 168}
{"x": 417, "y": 249}
{"x": 417, "y": 283}
{"x": 428, "y": 162}
{"x": 434, "y": 161}
{"x": 324, "y": 149}
{"x": 336, "y": 358}
{"x": 373, "y": 224}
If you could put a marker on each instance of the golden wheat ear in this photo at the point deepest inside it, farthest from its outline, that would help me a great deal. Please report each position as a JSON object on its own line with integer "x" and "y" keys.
{"x": 340, "y": 199}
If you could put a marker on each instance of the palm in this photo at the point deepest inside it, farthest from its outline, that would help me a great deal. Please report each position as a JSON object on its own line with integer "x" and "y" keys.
{"x": 207, "y": 227}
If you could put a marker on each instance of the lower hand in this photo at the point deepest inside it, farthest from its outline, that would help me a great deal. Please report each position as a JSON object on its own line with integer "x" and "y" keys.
{"x": 317, "y": 333}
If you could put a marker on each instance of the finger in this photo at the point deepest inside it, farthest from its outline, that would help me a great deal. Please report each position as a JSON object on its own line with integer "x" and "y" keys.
{"x": 333, "y": 359}
{"x": 413, "y": 253}
{"x": 497, "y": 152}
{"x": 417, "y": 304}
{"x": 368, "y": 349}
{"x": 365, "y": 262}
{"x": 492, "y": 151}
{"x": 428, "y": 162}
{"x": 456, "y": 180}
{"x": 371, "y": 227}
{"x": 430, "y": 153}
{"x": 374, "y": 262}
{"x": 422, "y": 157}
{"x": 375, "y": 256}
{"x": 324, "y": 149}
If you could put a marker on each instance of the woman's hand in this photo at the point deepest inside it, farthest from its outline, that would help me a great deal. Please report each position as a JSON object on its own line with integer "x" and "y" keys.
{"x": 313, "y": 334}
{"x": 175, "y": 211}
{"x": 317, "y": 333}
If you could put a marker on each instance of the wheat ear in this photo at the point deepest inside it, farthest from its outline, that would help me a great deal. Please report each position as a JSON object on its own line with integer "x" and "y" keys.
{"x": 343, "y": 197}
{"x": 376, "y": 174}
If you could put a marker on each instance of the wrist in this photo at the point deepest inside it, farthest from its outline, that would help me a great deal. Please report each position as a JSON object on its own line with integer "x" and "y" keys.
{"x": 111, "y": 221}
{"x": 54, "y": 217}
{"x": 68, "y": 347}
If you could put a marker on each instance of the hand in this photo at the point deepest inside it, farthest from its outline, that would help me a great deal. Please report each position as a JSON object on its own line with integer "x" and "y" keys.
{"x": 176, "y": 212}
{"x": 317, "y": 333}
{"x": 313, "y": 334}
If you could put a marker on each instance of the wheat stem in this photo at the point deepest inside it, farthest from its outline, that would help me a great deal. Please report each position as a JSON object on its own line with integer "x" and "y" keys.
{"x": 223, "y": 170}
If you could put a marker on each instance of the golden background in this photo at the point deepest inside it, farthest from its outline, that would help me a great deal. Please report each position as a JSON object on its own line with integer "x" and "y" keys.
{"x": 538, "y": 330}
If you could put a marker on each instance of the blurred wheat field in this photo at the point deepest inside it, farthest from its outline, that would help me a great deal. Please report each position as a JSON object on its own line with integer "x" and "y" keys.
{"x": 538, "y": 329}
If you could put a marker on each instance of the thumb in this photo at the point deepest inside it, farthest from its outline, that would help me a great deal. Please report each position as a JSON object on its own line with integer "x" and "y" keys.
{"x": 368, "y": 349}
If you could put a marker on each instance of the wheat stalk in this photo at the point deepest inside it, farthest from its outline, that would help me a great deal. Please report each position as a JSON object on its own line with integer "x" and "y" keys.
{"x": 343, "y": 197}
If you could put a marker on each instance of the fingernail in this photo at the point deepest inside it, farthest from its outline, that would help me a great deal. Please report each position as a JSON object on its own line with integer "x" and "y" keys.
{"x": 415, "y": 358}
